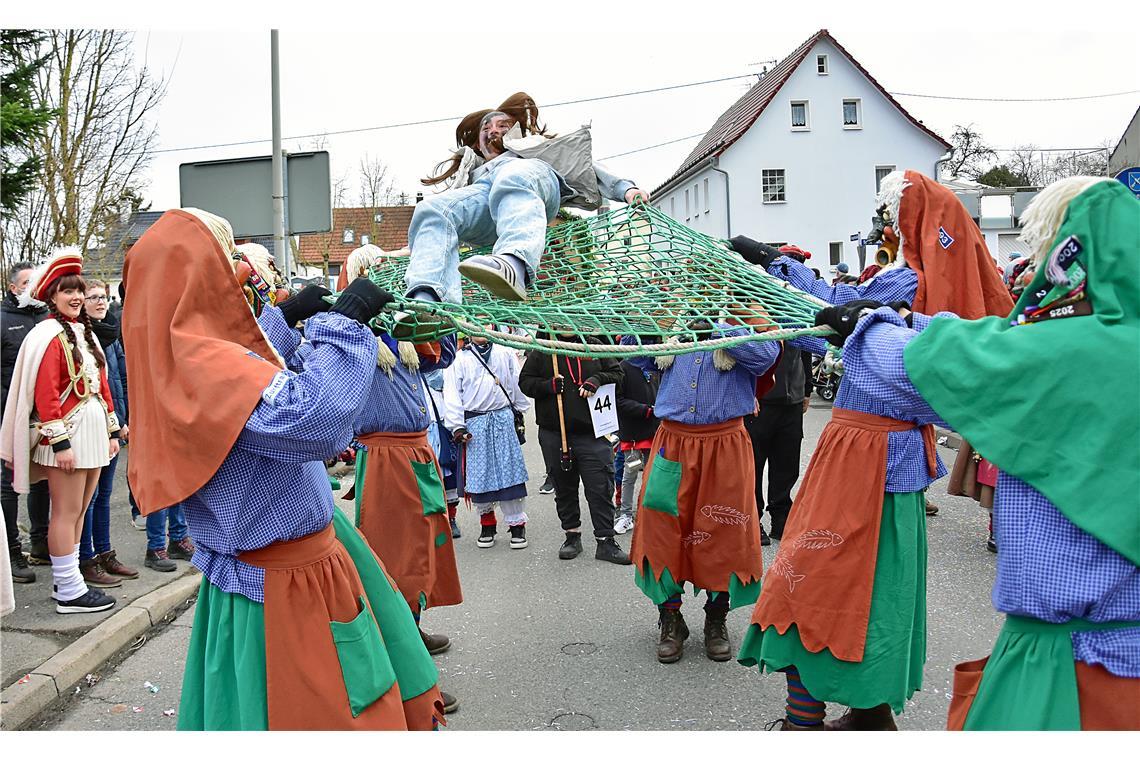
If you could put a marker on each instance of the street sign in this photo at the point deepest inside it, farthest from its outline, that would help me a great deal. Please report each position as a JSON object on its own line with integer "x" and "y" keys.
{"x": 855, "y": 237}
{"x": 1131, "y": 179}
{"x": 241, "y": 190}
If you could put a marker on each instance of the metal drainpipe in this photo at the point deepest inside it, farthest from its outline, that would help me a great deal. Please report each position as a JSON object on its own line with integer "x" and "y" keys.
{"x": 939, "y": 162}
{"x": 714, "y": 164}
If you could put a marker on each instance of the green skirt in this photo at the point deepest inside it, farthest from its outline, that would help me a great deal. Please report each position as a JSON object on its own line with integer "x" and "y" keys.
{"x": 224, "y": 685}
{"x": 739, "y": 593}
{"x": 895, "y": 649}
{"x": 1030, "y": 681}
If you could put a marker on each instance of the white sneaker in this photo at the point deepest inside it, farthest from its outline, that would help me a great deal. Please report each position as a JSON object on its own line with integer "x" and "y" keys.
{"x": 138, "y": 522}
{"x": 624, "y": 524}
{"x": 496, "y": 274}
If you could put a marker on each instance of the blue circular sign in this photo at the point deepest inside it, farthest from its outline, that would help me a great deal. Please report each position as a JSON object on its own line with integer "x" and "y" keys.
{"x": 1131, "y": 179}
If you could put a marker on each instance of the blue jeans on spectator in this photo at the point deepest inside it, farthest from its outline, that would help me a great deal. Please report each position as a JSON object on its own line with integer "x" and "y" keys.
{"x": 96, "y": 537}
{"x": 165, "y": 522}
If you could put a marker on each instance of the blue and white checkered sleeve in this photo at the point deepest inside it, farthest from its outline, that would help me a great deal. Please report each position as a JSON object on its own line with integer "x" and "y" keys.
{"x": 893, "y": 285}
{"x": 281, "y": 336}
{"x": 756, "y": 357}
{"x": 873, "y": 364}
{"x": 307, "y": 416}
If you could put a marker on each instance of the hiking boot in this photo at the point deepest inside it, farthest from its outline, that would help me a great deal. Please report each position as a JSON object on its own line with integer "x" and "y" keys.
{"x": 764, "y": 539}
{"x": 623, "y": 525}
{"x": 38, "y": 554}
{"x": 183, "y": 549}
{"x": 673, "y": 635}
{"x": 496, "y": 272}
{"x": 717, "y": 647}
{"x": 156, "y": 559}
{"x": 547, "y": 486}
{"x": 436, "y": 643}
{"x": 455, "y": 529}
{"x": 21, "y": 573}
{"x": 571, "y": 547}
{"x": 93, "y": 601}
{"x": 113, "y": 566}
{"x": 518, "y": 536}
{"x": 609, "y": 551}
{"x": 787, "y": 725}
{"x": 931, "y": 509}
{"x": 876, "y": 719}
{"x": 95, "y": 576}
{"x": 450, "y": 703}
{"x": 486, "y": 537}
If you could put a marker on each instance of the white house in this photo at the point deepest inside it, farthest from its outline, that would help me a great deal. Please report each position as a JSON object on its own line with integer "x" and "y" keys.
{"x": 799, "y": 157}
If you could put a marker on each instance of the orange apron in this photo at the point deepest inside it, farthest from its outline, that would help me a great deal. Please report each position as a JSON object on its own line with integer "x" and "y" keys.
{"x": 696, "y": 514}
{"x": 824, "y": 570}
{"x": 403, "y": 516}
{"x": 309, "y": 582}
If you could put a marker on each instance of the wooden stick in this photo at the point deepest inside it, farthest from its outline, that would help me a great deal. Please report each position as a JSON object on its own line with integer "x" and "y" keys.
{"x": 561, "y": 412}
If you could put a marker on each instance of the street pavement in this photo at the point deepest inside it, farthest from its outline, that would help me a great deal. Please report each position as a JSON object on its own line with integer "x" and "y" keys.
{"x": 545, "y": 644}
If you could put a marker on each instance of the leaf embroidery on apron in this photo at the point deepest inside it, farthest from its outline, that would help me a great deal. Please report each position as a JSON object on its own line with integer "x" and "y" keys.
{"x": 724, "y": 515}
{"x": 696, "y": 537}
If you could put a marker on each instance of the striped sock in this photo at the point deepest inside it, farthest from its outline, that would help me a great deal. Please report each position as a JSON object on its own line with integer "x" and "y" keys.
{"x": 802, "y": 709}
{"x": 672, "y": 603}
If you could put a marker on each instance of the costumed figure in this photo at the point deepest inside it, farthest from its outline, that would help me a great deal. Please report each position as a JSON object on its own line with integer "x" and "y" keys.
{"x": 483, "y": 401}
{"x": 506, "y": 182}
{"x": 696, "y": 517}
{"x": 843, "y": 609}
{"x": 298, "y": 626}
{"x": 399, "y": 493}
{"x": 442, "y": 443}
{"x": 59, "y": 420}
{"x": 1065, "y": 509}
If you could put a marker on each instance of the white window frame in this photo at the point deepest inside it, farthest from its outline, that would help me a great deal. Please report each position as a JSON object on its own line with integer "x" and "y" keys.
{"x": 858, "y": 113}
{"x": 830, "y": 251}
{"x": 783, "y": 182}
{"x": 807, "y": 115}
{"x": 696, "y": 198}
{"x": 706, "y": 195}
{"x": 687, "y": 215}
{"x": 821, "y": 58}
{"x": 879, "y": 180}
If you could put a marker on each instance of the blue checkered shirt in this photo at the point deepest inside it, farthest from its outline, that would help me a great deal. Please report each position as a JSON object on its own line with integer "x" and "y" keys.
{"x": 899, "y": 284}
{"x": 397, "y": 404}
{"x": 694, "y": 392}
{"x": 1047, "y": 567}
{"x": 273, "y": 485}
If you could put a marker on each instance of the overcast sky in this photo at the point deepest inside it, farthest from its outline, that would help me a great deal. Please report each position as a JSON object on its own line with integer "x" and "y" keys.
{"x": 343, "y": 68}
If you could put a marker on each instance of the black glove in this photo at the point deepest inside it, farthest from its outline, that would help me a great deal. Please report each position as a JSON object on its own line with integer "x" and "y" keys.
{"x": 362, "y": 300}
{"x": 310, "y": 301}
{"x": 753, "y": 251}
{"x": 558, "y": 385}
{"x": 898, "y": 306}
{"x": 460, "y": 434}
{"x": 843, "y": 319}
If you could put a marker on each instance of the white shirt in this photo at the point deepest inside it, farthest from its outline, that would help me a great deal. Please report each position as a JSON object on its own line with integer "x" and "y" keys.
{"x": 469, "y": 387}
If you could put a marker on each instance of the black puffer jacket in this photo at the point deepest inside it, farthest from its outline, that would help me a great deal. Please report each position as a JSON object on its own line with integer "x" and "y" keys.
{"x": 635, "y": 402}
{"x": 15, "y": 324}
{"x": 536, "y": 381}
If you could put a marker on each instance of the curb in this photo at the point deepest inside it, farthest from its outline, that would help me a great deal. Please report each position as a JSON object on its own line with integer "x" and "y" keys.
{"x": 22, "y": 702}
{"x": 953, "y": 440}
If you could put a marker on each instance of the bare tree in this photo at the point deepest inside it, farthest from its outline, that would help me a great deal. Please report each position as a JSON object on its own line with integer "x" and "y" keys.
{"x": 970, "y": 155}
{"x": 376, "y": 190}
{"x": 95, "y": 151}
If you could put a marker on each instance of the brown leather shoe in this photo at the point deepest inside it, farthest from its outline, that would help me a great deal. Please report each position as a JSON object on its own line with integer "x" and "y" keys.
{"x": 450, "y": 703}
{"x": 876, "y": 719}
{"x": 931, "y": 508}
{"x": 183, "y": 549}
{"x": 673, "y": 635}
{"x": 717, "y": 647}
{"x": 113, "y": 566}
{"x": 436, "y": 643}
{"x": 787, "y": 725}
{"x": 94, "y": 574}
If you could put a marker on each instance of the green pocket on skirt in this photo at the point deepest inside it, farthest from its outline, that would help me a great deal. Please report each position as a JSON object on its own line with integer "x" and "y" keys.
{"x": 663, "y": 484}
{"x": 364, "y": 663}
{"x": 431, "y": 487}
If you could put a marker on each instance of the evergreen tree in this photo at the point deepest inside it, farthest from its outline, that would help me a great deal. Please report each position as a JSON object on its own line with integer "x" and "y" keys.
{"x": 22, "y": 118}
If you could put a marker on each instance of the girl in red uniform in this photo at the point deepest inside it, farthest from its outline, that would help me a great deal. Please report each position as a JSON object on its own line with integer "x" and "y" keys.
{"x": 60, "y": 423}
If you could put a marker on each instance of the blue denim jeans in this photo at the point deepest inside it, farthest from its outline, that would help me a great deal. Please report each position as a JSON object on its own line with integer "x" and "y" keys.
{"x": 165, "y": 522}
{"x": 96, "y": 537}
{"x": 510, "y": 206}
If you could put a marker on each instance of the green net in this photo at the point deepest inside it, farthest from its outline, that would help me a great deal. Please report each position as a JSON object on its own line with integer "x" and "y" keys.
{"x": 629, "y": 272}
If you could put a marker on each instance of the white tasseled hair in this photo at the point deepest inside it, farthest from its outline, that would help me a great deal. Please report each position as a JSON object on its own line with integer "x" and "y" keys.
{"x": 258, "y": 257}
{"x": 890, "y": 194}
{"x": 361, "y": 260}
{"x": 386, "y": 360}
{"x": 722, "y": 360}
{"x": 1045, "y": 214}
{"x": 220, "y": 228}
{"x": 25, "y": 299}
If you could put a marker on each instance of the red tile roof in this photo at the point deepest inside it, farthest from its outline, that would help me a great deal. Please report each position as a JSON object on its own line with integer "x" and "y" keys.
{"x": 391, "y": 233}
{"x": 742, "y": 114}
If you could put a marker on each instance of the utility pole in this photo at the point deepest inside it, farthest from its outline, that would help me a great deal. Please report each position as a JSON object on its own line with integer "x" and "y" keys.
{"x": 280, "y": 252}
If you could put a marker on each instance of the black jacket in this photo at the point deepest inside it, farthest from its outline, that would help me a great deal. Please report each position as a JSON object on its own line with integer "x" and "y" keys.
{"x": 634, "y": 402}
{"x": 15, "y": 324}
{"x": 792, "y": 383}
{"x": 536, "y": 381}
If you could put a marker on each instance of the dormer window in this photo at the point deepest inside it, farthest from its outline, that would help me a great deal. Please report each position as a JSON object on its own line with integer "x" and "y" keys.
{"x": 821, "y": 64}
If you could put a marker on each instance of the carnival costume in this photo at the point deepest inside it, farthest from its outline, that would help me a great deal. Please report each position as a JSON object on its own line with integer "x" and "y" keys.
{"x": 298, "y": 626}
{"x": 843, "y": 608}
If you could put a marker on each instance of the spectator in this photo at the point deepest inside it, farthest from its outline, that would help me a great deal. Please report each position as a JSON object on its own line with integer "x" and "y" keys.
{"x": 97, "y": 561}
{"x": 591, "y": 459}
{"x": 15, "y": 324}
{"x": 777, "y": 430}
{"x": 638, "y": 426}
